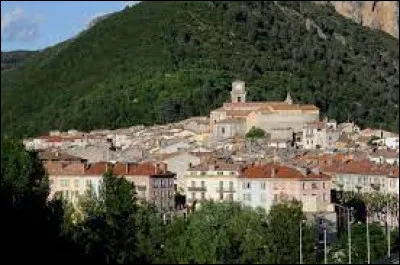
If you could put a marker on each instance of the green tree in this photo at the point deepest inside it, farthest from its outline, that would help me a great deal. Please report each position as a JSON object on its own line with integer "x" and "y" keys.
{"x": 108, "y": 231}
{"x": 283, "y": 233}
{"x": 255, "y": 133}
{"x": 339, "y": 252}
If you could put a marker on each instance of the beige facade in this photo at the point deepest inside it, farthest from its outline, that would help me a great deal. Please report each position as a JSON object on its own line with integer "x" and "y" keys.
{"x": 153, "y": 183}
{"x": 212, "y": 182}
{"x": 265, "y": 115}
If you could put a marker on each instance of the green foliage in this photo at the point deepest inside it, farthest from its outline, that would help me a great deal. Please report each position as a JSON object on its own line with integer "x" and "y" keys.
{"x": 359, "y": 245}
{"x": 255, "y": 133}
{"x": 165, "y": 61}
{"x": 108, "y": 230}
{"x": 284, "y": 234}
{"x": 30, "y": 223}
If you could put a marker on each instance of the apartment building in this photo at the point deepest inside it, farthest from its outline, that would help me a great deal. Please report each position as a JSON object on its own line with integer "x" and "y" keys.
{"x": 214, "y": 181}
{"x": 153, "y": 182}
{"x": 263, "y": 185}
{"x": 359, "y": 176}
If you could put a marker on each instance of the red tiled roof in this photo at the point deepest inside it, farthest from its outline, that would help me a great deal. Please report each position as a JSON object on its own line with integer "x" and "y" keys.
{"x": 278, "y": 171}
{"x": 97, "y": 168}
{"x": 358, "y": 167}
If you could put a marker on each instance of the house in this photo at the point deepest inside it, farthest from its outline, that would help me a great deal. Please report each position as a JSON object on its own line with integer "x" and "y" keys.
{"x": 212, "y": 181}
{"x": 178, "y": 163}
{"x": 320, "y": 135}
{"x": 358, "y": 176}
{"x": 153, "y": 182}
{"x": 392, "y": 142}
{"x": 382, "y": 156}
{"x": 263, "y": 185}
{"x": 47, "y": 156}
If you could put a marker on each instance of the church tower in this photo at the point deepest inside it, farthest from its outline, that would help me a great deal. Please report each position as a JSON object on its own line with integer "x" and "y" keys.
{"x": 288, "y": 99}
{"x": 238, "y": 93}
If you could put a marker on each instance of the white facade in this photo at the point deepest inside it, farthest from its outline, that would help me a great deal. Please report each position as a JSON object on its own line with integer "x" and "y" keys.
{"x": 216, "y": 185}
{"x": 392, "y": 142}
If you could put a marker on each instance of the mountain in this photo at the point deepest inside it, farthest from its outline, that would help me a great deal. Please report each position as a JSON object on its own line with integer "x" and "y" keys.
{"x": 381, "y": 15}
{"x": 13, "y": 59}
{"x": 159, "y": 62}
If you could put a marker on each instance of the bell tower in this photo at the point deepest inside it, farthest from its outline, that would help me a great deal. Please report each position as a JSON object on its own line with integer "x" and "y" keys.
{"x": 238, "y": 93}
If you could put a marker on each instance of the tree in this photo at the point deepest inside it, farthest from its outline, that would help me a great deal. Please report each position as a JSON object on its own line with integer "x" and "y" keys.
{"x": 108, "y": 230}
{"x": 28, "y": 218}
{"x": 339, "y": 252}
{"x": 283, "y": 233}
{"x": 255, "y": 133}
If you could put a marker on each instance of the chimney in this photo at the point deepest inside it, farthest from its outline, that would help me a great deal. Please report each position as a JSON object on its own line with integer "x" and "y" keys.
{"x": 273, "y": 172}
{"x": 57, "y": 154}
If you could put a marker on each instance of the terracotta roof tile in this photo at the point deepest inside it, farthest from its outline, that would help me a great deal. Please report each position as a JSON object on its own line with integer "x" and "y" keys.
{"x": 279, "y": 172}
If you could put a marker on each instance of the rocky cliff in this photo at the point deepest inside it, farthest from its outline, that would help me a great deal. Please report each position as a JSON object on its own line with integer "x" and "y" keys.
{"x": 382, "y": 15}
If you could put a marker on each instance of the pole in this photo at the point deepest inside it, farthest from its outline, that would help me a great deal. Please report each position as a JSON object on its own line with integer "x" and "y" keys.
{"x": 349, "y": 233}
{"x": 325, "y": 256}
{"x": 387, "y": 226}
{"x": 368, "y": 246}
{"x": 301, "y": 256}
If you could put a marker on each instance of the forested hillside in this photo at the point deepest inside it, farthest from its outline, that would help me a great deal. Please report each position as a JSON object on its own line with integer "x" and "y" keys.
{"x": 158, "y": 62}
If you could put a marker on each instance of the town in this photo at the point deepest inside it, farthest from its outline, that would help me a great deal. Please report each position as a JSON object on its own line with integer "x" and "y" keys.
{"x": 255, "y": 153}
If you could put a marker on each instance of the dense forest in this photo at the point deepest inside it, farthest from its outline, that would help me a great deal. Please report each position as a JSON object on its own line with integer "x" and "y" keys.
{"x": 159, "y": 62}
{"x": 111, "y": 226}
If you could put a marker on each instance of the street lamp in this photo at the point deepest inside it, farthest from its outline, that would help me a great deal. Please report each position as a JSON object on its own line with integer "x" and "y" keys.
{"x": 348, "y": 228}
{"x": 301, "y": 247}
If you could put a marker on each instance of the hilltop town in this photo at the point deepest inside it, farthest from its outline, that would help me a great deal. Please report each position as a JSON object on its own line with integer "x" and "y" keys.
{"x": 298, "y": 155}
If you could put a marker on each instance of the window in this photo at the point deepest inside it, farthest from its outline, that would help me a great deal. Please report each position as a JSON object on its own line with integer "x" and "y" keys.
{"x": 324, "y": 197}
{"x": 263, "y": 197}
{"x": 203, "y": 173}
{"x": 230, "y": 185}
{"x": 221, "y": 196}
{"x": 76, "y": 182}
{"x": 220, "y": 173}
{"x": 323, "y": 185}
{"x": 248, "y": 185}
{"x": 64, "y": 183}
{"x": 203, "y": 195}
{"x": 203, "y": 184}
{"x": 222, "y": 130}
{"x": 221, "y": 184}
{"x": 156, "y": 183}
{"x": 304, "y": 186}
{"x": 193, "y": 195}
{"x": 229, "y": 197}
{"x": 171, "y": 183}
{"x": 232, "y": 172}
{"x": 314, "y": 186}
{"x": 262, "y": 185}
{"x": 162, "y": 183}
{"x": 239, "y": 99}
{"x": 193, "y": 183}
{"x": 275, "y": 197}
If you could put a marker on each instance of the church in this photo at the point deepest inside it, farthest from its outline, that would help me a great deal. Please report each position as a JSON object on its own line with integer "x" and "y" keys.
{"x": 278, "y": 118}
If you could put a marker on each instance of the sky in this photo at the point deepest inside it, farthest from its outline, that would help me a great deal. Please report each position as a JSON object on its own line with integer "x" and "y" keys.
{"x": 34, "y": 25}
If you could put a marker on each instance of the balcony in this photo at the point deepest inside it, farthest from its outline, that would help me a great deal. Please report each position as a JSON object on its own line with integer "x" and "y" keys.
{"x": 225, "y": 190}
{"x": 196, "y": 189}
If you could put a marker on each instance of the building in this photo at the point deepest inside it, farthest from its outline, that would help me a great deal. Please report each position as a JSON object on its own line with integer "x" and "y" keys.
{"x": 153, "y": 182}
{"x": 238, "y": 117}
{"x": 358, "y": 176}
{"x": 382, "y": 156}
{"x": 320, "y": 135}
{"x": 212, "y": 181}
{"x": 179, "y": 163}
{"x": 264, "y": 185}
